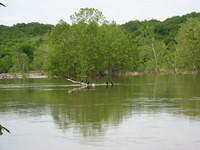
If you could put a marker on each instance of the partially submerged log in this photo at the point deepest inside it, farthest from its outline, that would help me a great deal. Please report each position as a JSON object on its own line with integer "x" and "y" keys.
{"x": 84, "y": 85}
{"x": 76, "y": 89}
{"x": 78, "y": 82}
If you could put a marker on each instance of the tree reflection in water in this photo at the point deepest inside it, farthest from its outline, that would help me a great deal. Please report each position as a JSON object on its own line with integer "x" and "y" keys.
{"x": 93, "y": 111}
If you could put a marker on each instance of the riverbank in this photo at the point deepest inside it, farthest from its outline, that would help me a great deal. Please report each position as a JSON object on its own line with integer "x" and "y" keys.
{"x": 22, "y": 75}
{"x": 159, "y": 73}
{"x": 45, "y": 75}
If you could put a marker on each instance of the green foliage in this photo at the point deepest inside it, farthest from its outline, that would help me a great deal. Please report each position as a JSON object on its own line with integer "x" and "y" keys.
{"x": 164, "y": 36}
{"x": 151, "y": 50}
{"x": 22, "y": 30}
{"x": 40, "y": 53}
{"x": 92, "y": 45}
{"x": 88, "y": 15}
{"x": 20, "y": 63}
{"x": 5, "y": 64}
{"x": 18, "y": 44}
{"x": 188, "y": 47}
{"x": 165, "y": 31}
{"x": 89, "y": 49}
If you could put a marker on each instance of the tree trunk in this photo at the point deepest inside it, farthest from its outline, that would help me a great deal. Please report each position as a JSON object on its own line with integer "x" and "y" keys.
{"x": 154, "y": 53}
{"x": 175, "y": 63}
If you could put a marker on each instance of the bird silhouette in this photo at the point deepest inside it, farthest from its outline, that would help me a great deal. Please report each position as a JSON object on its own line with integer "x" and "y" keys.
{"x": 2, "y": 4}
{"x": 112, "y": 84}
{"x": 3, "y": 128}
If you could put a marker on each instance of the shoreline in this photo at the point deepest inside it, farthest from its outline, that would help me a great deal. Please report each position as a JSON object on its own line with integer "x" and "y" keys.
{"x": 45, "y": 75}
{"x": 23, "y": 75}
{"x": 159, "y": 73}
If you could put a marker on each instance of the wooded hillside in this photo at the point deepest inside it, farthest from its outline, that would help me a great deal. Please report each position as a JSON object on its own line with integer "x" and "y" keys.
{"x": 93, "y": 45}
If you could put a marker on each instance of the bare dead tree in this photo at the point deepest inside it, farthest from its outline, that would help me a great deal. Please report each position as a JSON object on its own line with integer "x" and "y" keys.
{"x": 3, "y": 128}
{"x": 2, "y": 4}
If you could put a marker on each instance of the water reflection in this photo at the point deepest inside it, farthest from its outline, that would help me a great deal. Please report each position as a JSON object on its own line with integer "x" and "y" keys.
{"x": 92, "y": 112}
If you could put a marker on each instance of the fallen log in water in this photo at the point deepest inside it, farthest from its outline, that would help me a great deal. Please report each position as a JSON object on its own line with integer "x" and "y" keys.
{"x": 73, "y": 81}
{"x": 86, "y": 85}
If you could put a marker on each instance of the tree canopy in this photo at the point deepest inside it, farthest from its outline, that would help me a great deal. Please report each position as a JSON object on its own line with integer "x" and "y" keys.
{"x": 188, "y": 44}
{"x": 90, "y": 49}
{"x": 91, "y": 45}
{"x": 88, "y": 15}
{"x": 18, "y": 45}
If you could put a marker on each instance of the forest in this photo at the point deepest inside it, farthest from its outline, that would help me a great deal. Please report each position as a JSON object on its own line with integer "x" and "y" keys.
{"x": 92, "y": 45}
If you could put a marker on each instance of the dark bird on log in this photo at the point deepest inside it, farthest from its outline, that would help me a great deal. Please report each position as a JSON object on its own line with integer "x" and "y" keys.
{"x": 2, "y": 4}
{"x": 112, "y": 84}
{"x": 106, "y": 83}
{"x": 3, "y": 128}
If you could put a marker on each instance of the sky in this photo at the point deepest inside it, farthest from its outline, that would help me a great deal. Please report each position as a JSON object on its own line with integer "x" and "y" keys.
{"x": 121, "y": 11}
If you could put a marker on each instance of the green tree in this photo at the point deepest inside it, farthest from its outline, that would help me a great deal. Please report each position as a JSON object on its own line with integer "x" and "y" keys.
{"x": 5, "y": 64}
{"x": 88, "y": 15}
{"x": 20, "y": 63}
{"x": 22, "y": 39}
{"x": 41, "y": 53}
{"x": 151, "y": 50}
{"x": 119, "y": 49}
{"x": 188, "y": 47}
{"x": 90, "y": 48}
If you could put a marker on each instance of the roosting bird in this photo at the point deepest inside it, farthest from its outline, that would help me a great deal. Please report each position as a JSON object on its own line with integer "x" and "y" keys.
{"x": 3, "y": 128}
{"x": 2, "y": 4}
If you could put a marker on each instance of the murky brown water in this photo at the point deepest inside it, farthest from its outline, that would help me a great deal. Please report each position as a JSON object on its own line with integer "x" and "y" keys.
{"x": 145, "y": 112}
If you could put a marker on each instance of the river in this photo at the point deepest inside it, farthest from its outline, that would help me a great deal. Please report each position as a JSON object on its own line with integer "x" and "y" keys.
{"x": 142, "y": 112}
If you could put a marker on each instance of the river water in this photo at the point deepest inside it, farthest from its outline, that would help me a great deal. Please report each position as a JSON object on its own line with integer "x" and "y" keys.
{"x": 144, "y": 112}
